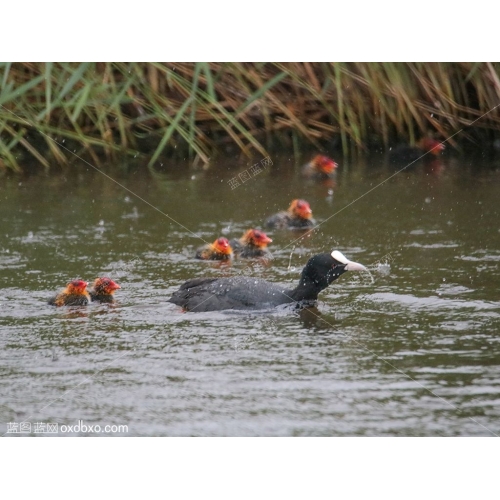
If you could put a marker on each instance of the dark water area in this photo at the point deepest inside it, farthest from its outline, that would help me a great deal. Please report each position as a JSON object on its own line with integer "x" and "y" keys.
{"x": 412, "y": 350}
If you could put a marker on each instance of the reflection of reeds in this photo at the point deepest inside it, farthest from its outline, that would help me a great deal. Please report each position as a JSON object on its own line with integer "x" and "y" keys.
{"x": 194, "y": 108}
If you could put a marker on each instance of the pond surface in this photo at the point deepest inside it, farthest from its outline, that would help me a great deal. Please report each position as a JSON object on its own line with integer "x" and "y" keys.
{"x": 412, "y": 351}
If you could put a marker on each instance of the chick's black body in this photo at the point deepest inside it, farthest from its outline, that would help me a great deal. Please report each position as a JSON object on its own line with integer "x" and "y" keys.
{"x": 75, "y": 294}
{"x": 283, "y": 220}
{"x": 248, "y": 251}
{"x": 67, "y": 299}
{"x": 105, "y": 298}
{"x": 103, "y": 290}
{"x": 426, "y": 151}
{"x": 404, "y": 154}
{"x": 241, "y": 292}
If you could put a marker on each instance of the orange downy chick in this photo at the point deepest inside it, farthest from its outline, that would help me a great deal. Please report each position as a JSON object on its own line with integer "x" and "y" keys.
{"x": 220, "y": 249}
{"x": 103, "y": 290}
{"x": 75, "y": 294}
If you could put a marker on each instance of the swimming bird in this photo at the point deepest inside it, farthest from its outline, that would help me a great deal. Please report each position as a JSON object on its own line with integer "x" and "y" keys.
{"x": 320, "y": 167}
{"x": 252, "y": 244}
{"x": 218, "y": 250}
{"x": 103, "y": 290}
{"x": 75, "y": 294}
{"x": 298, "y": 216}
{"x": 241, "y": 292}
{"x": 410, "y": 154}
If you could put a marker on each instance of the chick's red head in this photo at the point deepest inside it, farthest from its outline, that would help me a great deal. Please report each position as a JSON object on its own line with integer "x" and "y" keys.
{"x": 430, "y": 144}
{"x": 222, "y": 245}
{"x": 301, "y": 208}
{"x": 324, "y": 164}
{"x": 257, "y": 238}
{"x": 105, "y": 285}
{"x": 76, "y": 286}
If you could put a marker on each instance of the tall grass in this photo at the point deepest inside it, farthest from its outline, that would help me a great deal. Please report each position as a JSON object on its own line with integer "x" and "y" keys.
{"x": 102, "y": 110}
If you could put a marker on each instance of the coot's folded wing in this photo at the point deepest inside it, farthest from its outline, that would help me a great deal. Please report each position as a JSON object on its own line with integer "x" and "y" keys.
{"x": 253, "y": 293}
{"x": 195, "y": 282}
{"x": 190, "y": 291}
{"x": 212, "y": 294}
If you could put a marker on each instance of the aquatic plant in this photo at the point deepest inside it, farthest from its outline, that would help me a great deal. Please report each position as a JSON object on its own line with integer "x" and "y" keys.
{"x": 101, "y": 110}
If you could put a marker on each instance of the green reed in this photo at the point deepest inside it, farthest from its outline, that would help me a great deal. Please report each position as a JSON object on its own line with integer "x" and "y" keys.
{"x": 50, "y": 111}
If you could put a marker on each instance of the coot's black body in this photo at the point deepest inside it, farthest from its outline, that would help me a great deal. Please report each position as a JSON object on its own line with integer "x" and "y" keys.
{"x": 241, "y": 292}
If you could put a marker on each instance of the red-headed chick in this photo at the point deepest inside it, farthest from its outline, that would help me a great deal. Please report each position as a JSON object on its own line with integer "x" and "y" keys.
{"x": 75, "y": 294}
{"x": 320, "y": 167}
{"x": 103, "y": 290}
{"x": 220, "y": 249}
{"x": 428, "y": 144}
{"x": 427, "y": 149}
{"x": 252, "y": 244}
{"x": 298, "y": 216}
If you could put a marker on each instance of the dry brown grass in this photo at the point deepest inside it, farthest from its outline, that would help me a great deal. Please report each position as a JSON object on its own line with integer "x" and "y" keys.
{"x": 195, "y": 109}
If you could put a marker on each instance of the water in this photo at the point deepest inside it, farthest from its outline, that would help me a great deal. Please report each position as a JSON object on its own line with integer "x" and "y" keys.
{"x": 414, "y": 351}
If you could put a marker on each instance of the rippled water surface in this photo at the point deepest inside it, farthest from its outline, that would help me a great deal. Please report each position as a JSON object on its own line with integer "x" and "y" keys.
{"x": 413, "y": 350}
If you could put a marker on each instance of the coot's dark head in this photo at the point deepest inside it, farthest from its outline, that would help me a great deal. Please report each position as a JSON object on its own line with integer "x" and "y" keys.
{"x": 324, "y": 268}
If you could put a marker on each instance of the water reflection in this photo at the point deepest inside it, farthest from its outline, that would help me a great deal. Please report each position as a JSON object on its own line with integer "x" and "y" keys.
{"x": 313, "y": 320}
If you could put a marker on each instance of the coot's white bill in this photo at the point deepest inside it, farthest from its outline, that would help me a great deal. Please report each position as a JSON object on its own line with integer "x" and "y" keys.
{"x": 350, "y": 265}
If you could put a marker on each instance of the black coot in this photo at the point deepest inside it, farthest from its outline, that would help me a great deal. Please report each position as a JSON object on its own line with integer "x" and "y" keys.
{"x": 217, "y": 294}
